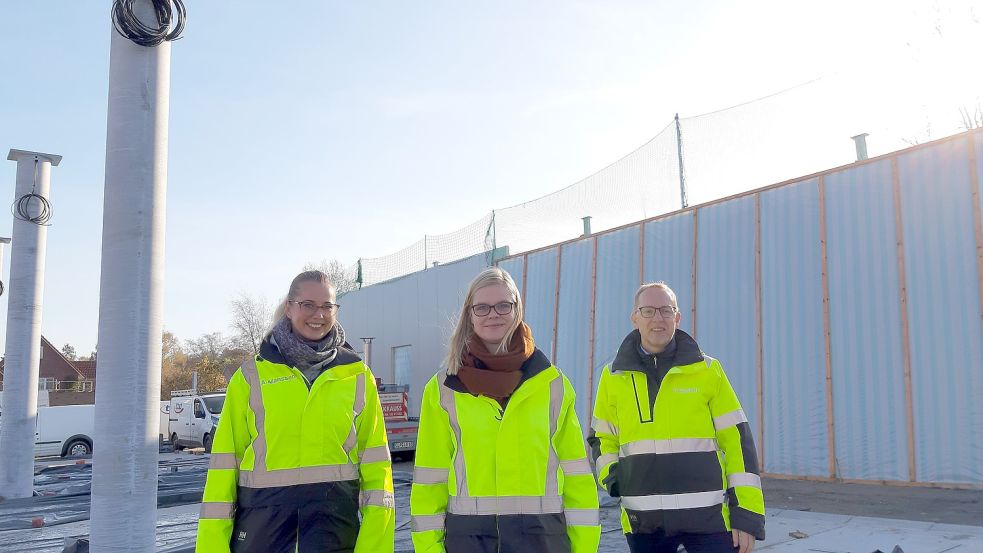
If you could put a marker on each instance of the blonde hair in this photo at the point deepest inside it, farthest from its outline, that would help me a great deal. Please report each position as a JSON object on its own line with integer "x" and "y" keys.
{"x": 306, "y": 276}
{"x": 464, "y": 330}
{"x": 659, "y": 284}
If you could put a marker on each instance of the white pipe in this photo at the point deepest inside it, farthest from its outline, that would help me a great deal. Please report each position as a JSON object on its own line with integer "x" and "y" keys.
{"x": 5, "y": 283}
{"x": 3, "y": 243}
{"x": 124, "y": 467}
{"x": 23, "y": 348}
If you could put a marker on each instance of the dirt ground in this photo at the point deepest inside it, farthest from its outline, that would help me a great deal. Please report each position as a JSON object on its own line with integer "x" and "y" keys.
{"x": 941, "y": 505}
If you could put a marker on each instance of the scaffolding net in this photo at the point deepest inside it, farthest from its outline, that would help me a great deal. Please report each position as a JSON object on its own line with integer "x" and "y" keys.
{"x": 914, "y": 96}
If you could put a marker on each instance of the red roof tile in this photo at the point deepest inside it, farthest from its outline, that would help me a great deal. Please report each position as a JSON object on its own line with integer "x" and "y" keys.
{"x": 87, "y": 368}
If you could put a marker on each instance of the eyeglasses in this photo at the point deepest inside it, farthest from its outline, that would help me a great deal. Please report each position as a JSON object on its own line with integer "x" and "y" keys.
{"x": 483, "y": 309}
{"x": 309, "y": 308}
{"x": 666, "y": 311}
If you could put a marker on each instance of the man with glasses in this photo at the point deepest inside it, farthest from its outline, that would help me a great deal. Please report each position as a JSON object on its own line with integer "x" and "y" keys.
{"x": 670, "y": 439}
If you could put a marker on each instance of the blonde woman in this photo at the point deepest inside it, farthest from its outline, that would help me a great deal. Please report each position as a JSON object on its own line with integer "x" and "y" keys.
{"x": 500, "y": 459}
{"x": 299, "y": 461}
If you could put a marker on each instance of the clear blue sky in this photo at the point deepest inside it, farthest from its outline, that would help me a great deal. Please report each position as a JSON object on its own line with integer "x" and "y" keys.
{"x": 315, "y": 130}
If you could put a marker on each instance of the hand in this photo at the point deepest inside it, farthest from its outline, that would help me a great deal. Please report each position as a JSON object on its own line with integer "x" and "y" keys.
{"x": 743, "y": 541}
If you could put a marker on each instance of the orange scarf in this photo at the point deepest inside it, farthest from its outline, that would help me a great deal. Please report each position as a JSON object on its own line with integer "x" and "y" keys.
{"x": 496, "y": 376}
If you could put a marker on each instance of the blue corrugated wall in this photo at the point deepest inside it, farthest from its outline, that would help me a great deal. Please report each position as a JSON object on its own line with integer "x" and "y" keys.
{"x": 725, "y": 296}
{"x": 865, "y": 329}
{"x": 902, "y": 287}
{"x": 852, "y": 383}
{"x": 541, "y": 297}
{"x": 793, "y": 332}
{"x": 617, "y": 271}
{"x": 945, "y": 335}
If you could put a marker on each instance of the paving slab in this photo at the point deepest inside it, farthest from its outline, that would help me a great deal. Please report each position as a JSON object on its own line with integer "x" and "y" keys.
{"x": 828, "y": 533}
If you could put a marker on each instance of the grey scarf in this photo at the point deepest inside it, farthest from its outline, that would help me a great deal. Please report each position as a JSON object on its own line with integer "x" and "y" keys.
{"x": 304, "y": 354}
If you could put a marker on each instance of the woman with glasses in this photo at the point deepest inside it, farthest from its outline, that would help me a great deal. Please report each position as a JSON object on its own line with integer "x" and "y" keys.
{"x": 299, "y": 461}
{"x": 500, "y": 459}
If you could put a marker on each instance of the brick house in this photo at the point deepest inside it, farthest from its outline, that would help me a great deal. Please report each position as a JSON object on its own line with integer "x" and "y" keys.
{"x": 67, "y": 382}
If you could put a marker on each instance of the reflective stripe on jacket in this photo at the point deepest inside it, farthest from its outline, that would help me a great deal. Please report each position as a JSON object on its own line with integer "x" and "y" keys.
{"x": 684, "y": 460}
{"x": 489, "y": 479}
{"x": 293, "y": 467}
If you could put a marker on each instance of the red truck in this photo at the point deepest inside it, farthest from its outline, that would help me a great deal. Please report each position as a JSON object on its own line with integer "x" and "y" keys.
{"x": 400, "y": 427}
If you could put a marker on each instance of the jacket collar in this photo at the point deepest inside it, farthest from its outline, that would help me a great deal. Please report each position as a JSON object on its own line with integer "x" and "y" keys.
{"x": 537, "y": 363}
{"x": 346, "y": 356}
{"x": 630, "y": 354}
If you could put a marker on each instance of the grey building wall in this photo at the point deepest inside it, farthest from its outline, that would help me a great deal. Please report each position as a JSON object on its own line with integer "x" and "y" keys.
{"x": 416, "y": 310}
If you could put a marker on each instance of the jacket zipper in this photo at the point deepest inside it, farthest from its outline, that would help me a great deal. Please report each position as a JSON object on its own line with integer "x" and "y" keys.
{"x": 498, "y": 532}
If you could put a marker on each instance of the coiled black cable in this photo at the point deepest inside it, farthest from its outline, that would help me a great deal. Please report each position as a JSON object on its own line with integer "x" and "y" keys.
{"x": 2, "y": 289}
{"x": 129, "y": 25}
{"x": 22, "y": 209}
{"x": 22, "y": 206}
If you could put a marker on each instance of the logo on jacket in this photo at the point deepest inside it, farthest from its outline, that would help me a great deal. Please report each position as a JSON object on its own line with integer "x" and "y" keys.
{"x": 686, "y": 390}
{"x": 277, "y": 380}
{"x": 242, "y": 536}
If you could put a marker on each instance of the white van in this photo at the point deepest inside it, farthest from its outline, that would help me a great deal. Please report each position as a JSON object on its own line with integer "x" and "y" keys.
{"x": 65, "y": 431}
{"x": 194, "y": 418}
{"x": 165, "y": 421}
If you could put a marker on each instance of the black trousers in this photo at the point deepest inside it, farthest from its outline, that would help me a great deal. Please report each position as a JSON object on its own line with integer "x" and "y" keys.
{"x": 658, "y": 542}
{"x": 310, "y": 518}
{"x": 506, "y": 534}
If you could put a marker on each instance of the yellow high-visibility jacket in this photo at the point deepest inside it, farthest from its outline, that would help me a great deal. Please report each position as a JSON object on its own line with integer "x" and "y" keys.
{"x": 678, "y": 452}
{"x": 490, "y": 479}
{"x": 292, "y": 467}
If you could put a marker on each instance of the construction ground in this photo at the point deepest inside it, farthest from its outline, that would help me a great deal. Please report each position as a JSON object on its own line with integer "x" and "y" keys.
{"x": 803, "y": 516}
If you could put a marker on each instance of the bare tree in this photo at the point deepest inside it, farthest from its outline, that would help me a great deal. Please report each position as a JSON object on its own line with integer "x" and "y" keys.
{"x": 972, "y": 119}
{"x": 949, "y": 21}
{"x": 173, "y": 367}
{"x": 250, "y": 319}
{"x": 68, "y": 350}
{"x": 344, "y": 278}
{"x": 215, "y": 358}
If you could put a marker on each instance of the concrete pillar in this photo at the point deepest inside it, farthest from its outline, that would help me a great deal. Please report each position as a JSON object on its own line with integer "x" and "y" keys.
{"x": 23, "y": 351}
{"x": 124, "y": 475}
{"x": 3, "y": 283}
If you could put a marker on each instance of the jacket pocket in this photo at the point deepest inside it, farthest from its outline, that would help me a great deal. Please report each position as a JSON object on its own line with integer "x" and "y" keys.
{"x": 544, "y": 534}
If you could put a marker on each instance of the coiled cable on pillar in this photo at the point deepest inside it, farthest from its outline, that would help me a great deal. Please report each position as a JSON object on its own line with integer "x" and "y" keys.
{"x": 22, "y": 206}
{"x": 130, "y": 26}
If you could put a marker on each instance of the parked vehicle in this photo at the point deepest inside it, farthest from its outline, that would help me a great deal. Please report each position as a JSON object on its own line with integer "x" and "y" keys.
{"x": 163, "y": 429}
{"x": 401, "y": 429}
{"x": 65, "y": 431}
{"x": 193, "y": 418}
